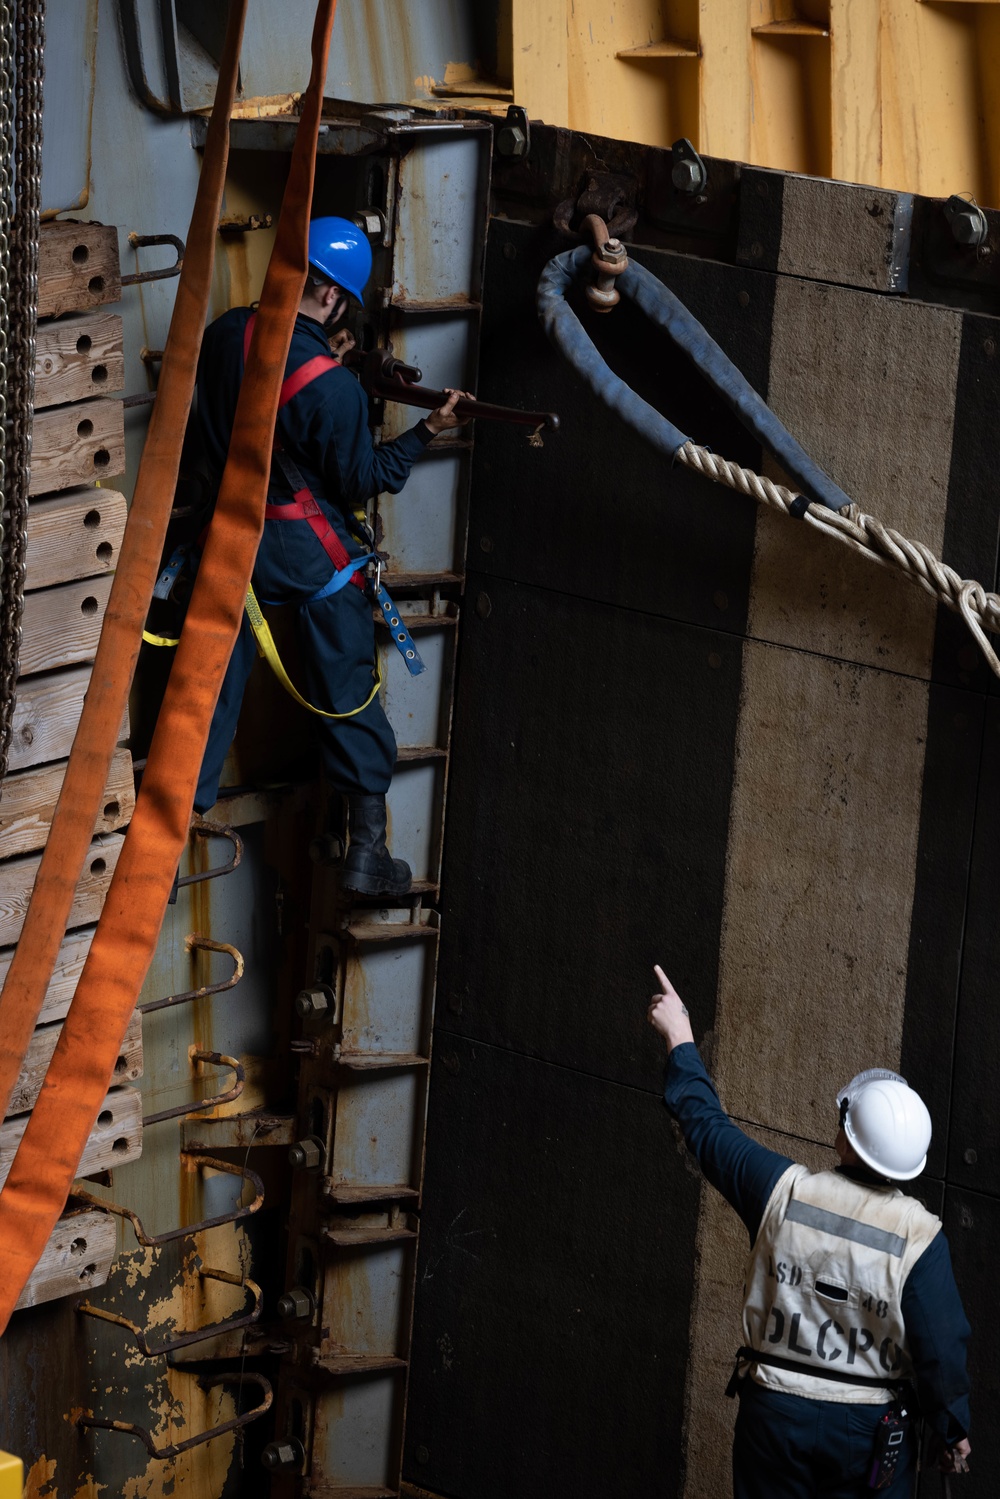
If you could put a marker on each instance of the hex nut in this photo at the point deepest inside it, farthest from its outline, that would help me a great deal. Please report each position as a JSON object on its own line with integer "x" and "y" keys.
{"x": 296, "y": 1303}
{"x": 371, "y": 222}
{"x": 283, "y": 1456}
{"x": 306, "y": 1154}
{"x": 313, "y": 1001}
{"x": 511, "y": 141}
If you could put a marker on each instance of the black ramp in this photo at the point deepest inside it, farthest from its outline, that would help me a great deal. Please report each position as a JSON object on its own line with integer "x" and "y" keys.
{"x": 554, "y": 1283}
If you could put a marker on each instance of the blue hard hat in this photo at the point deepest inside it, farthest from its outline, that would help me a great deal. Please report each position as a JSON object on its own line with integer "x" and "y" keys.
{"x": 341, "y": 252}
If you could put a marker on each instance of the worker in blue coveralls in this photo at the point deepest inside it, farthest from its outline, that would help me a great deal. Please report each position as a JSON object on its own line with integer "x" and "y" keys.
{"x": 324, "y": 443}
{"x": 851, "y": 1314}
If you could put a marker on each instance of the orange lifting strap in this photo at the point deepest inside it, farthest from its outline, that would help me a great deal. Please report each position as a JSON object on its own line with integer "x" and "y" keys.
{"x": 43, "y": 1170}
{"x": 138, "y": 565}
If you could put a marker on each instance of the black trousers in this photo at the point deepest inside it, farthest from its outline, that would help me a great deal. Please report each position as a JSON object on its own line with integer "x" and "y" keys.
{"x": 788, "y": 1447}
{"x": 337, "y": 642}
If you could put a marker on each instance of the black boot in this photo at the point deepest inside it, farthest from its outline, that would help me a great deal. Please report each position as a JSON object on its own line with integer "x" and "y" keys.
{"x": 369, "y": 867}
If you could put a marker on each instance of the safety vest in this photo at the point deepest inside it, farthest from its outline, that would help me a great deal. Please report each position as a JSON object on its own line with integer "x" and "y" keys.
{"x": 824, "y": 1285}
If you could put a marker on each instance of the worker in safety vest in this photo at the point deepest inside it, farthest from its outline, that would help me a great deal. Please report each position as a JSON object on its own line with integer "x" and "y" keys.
{"x": 323, "y": 452}
{"x": 851, "y": 1315}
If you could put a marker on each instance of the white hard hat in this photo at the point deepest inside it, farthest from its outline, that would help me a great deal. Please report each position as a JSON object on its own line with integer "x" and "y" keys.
{"x": 886, "y": 1123}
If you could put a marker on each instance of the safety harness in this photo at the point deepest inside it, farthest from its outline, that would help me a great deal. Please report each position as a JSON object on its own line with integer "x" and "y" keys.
{"x": 304, "y": 506}
{"x": 347, "y": 569}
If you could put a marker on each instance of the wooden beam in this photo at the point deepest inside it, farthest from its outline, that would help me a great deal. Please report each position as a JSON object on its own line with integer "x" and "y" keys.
{"x": 127, "y": 1068}
{"x": 78, "y": 357}
{"x": 46, "y": 715}
{"x": 78, "y": 267}
{"x": 74, "y": 444}
{"x": 29, "y": 801}
{"x": 17, "y": 876}
{"x": 74, "y": 535}
{"x": 62, "y": 985}
{"x": 61, "y": 626}
{"x": 78, "y": 1257}
{"x": 115, "y": 1139}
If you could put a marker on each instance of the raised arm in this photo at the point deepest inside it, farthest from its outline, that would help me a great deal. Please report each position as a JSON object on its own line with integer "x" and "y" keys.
{"x": 742, "y": 1170}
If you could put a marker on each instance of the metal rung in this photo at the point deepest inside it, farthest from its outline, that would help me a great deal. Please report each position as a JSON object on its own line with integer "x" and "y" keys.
{"x": 336, "y": 1491}
{"x": 349, "y": 1194}
{"x": 422, "y": 621}
{"x": 389, "y": 931}
{"x": 357, "y": 1363}
{"x": 396, "y": 582}
{"x": 376, "y": 1061}
{"x": 356, "y": 1238}
{"x": 420, "y": 752}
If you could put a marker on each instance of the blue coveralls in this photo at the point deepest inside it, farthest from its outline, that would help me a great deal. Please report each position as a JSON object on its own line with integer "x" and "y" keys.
{"x": 790, "y": 1446}
{"x": 324, "y": 429}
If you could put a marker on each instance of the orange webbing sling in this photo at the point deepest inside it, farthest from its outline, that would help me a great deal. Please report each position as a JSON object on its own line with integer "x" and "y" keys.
{"x": 43, "y": 1170}
{"x": 138, "y": 564}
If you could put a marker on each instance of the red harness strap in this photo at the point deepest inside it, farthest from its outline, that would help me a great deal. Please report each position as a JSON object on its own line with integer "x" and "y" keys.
{"x": 304, "y": 505}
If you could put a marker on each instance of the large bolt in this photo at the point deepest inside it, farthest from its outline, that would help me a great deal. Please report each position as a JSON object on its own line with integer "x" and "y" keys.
{"x": 286, "y": 1455}
{"x": 687, "y": 176}
{"x": 307, "y": 1154}
{"x": 296, "y": 1303}
{"x": 370, "y": 222}
{"x": 511, "y": 141}
{"x": 316, "y": 1000}
{"x": 967, "y": 222}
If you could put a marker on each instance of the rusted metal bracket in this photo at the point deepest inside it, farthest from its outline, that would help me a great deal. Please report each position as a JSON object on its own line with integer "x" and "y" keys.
{"x": 196, "y": 942}
{"x": 608, "y": 196}
{"x": 202, "y": 1159}
{"x": 173, "y": 1449}
{"x": 200, "y": 1334}
{"x": 138, "y": 242}
{"x": 214, "y": 830}
{"x": 219, "y": 1059}
{"x": 237, "y": 224}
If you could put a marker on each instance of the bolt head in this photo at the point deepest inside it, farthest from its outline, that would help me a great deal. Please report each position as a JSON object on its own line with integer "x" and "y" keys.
{"x": 687, "y": 176}
{"x": 315, "y": 1001}
{"x": 284, "y": 1455}
{"x": 306, "y": 1154}
{"x": 370, "y": 222}
{"x": 296, "y": 1303}
{"x": 967, "y": 222}
{"x": 511, "y": 141}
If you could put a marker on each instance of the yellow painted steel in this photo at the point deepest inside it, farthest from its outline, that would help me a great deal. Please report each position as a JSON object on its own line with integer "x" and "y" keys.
{"x": 11, "y": 1476}
{"x": 897, "y": 93}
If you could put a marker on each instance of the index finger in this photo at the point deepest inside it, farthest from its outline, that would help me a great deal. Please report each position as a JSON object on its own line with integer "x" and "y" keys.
{"x": 667, "y": 985}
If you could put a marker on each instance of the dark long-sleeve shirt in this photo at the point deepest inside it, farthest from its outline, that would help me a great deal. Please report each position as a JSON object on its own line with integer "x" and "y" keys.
{"x": 324, "y": 428}
{"x": 746, "y": 1174}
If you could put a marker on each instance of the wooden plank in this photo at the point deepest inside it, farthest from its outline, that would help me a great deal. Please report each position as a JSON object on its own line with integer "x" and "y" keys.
{"x": 78, "y": 267}
{"x": 73, "y": 444}
{"x": 61, "y": 626}
{"x": 127, "y": 1068}
{"x": 74, "y": 535}
{"x": 115, "y": 1139}
{"x": 78, "y": 357}
{"x": 77, "y": 1257}
{"x": 46, "y": 714}
{"x": 29, "y": 801}
{"x": 62, "y": 985}
{"x": 17, "y": 876}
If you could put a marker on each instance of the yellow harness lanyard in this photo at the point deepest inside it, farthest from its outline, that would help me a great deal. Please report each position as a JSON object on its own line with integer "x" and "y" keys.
{"x": 267, "y": 648}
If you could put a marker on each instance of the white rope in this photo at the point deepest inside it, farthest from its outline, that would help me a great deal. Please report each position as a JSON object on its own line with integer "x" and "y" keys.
{"x": 979, "y": 609}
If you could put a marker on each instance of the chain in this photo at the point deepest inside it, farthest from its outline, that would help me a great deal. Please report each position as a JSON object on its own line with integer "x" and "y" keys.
{"x": 20, "y": 314}
{"x": 6, "y": 215}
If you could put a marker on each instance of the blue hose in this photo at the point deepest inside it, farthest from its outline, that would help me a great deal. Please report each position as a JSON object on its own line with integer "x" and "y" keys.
{"x": 663, "y": 308}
